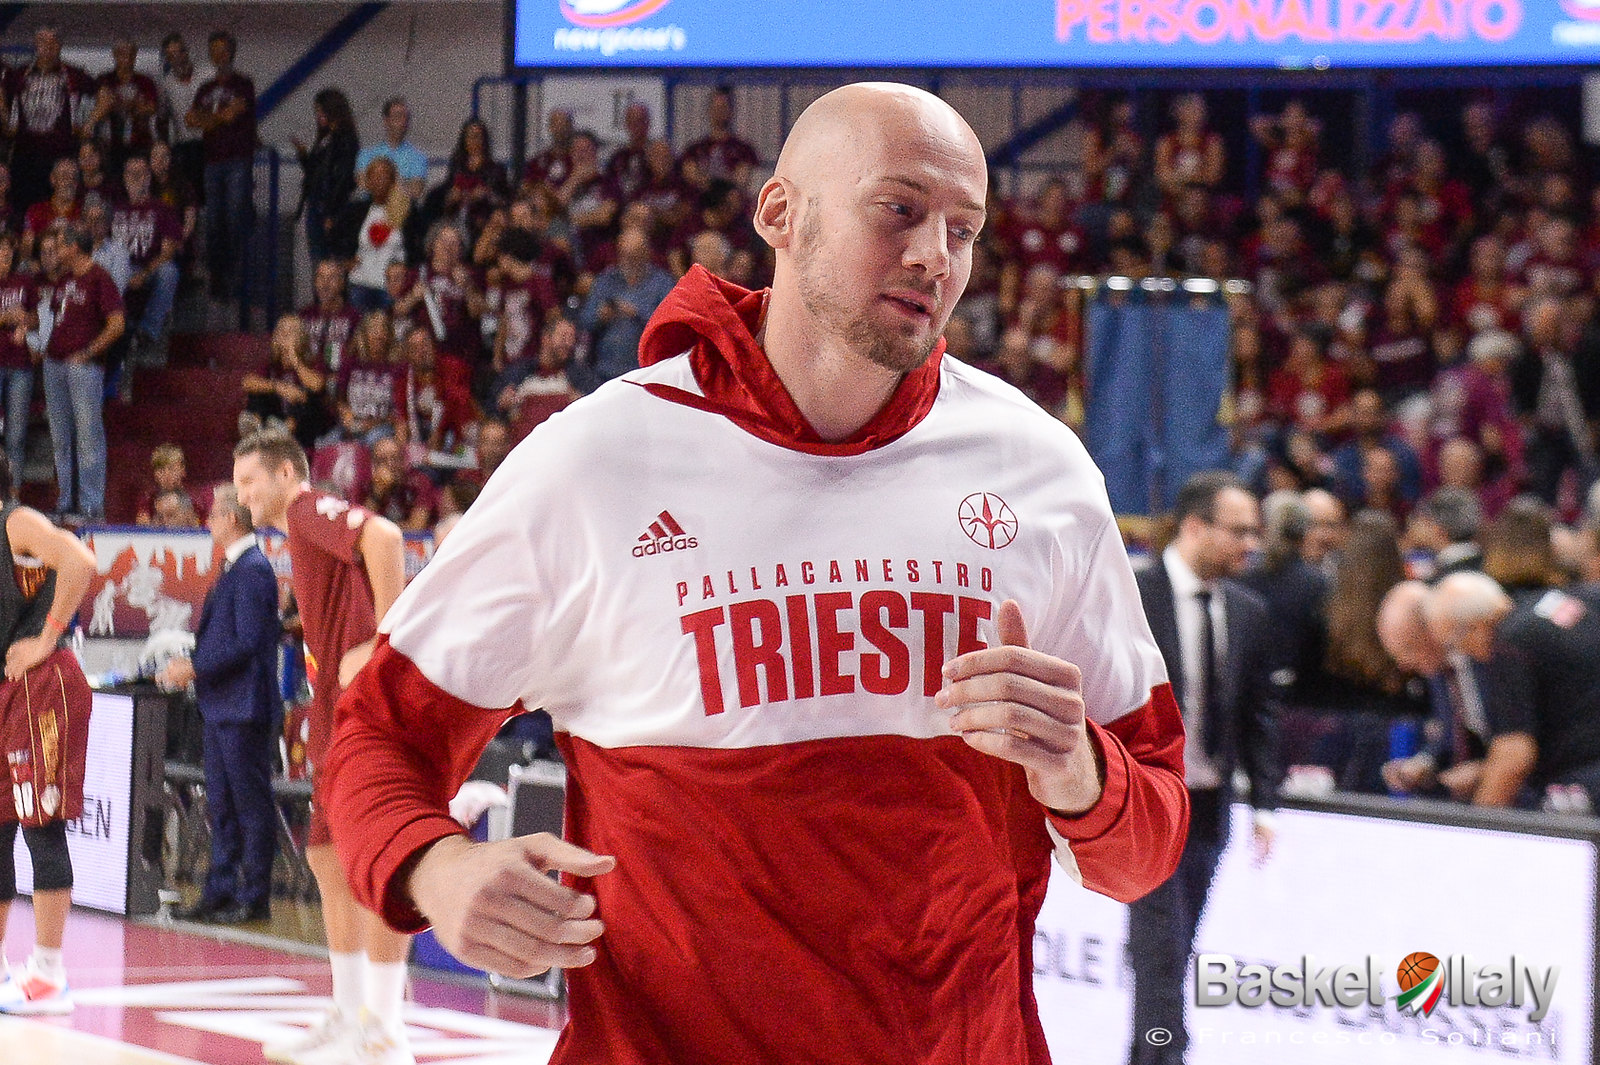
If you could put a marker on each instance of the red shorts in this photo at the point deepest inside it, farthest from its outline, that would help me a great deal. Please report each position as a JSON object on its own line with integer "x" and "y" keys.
{"x": 319, "y": 736}
{"x": 44, "y": 738}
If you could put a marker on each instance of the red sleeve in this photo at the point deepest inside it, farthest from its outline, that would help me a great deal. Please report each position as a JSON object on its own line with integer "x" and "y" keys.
{"x": 329, "y": 524}
{"x": 107, "y": 295}
{"x": 1129, "y": 842}
{"x": 401, "y": 749}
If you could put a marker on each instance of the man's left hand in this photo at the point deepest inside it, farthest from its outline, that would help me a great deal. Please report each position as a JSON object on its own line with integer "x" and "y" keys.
{"x": 25, "y": 654}
{"x": 178, "y": 673}
{"x": 1027, "y": 707}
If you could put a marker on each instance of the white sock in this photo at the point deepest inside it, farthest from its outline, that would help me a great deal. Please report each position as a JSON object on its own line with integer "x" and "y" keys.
{"x": 386, "y": 992}
{"x": 47, "y": 963}
{"x": 348, "y": 970}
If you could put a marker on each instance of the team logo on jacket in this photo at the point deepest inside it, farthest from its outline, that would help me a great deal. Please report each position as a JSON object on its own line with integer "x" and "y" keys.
{"x": 663, "y": 535}
{"x": 987, "y": 520}
{"x": 602, "y": 13}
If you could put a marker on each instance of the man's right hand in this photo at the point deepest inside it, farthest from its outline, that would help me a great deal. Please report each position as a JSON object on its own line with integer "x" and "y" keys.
{"x": 493, "y": 906}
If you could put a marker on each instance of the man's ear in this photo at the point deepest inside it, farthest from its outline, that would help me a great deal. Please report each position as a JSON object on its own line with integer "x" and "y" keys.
{"x": 775, "y": 212}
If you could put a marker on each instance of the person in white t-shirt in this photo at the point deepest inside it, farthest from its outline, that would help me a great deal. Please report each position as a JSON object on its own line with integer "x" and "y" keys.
{"x": 840, "y": 643}
{"x": 372, "y": 234}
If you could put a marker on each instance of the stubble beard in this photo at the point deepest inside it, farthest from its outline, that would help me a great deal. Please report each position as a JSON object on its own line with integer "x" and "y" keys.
{"x": 888, "y": 348}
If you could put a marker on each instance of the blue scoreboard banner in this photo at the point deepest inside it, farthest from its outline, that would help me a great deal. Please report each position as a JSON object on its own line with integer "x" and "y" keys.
{"x": 1051, "y": 33}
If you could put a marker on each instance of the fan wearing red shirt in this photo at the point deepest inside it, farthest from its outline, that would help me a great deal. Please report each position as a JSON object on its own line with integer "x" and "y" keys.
{"x": 722, "y": 155}
{"x": 46, "y": 101}
{"x": 348, "y": 568}
{"x": 126, "y": 102}
{"x": 224, "y": 112}
{"x": 19, "y": 301}
{"x": 62, "y": 205}
{"x": 1308, "y": 391}
{"x": 87, "y": 309}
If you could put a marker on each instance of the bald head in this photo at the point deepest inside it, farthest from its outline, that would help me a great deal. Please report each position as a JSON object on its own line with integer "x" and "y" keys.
{"x": 1464, "y": 611}
{"x": 872, "y": 211}
{"x": 829, "y": 135}
{"x": 1404, "y": 633}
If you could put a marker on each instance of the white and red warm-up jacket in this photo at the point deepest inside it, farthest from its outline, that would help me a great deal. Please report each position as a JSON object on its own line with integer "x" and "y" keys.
{"x": 738, "y": 630}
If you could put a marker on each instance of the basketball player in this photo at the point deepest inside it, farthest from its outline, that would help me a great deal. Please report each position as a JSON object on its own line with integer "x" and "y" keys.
{"x": 841, "y": 646}
{"x": 44, "y": 739}
{"x": 348, "y": 567}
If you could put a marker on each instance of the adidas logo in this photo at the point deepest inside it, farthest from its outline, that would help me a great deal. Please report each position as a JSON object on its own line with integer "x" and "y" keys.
{"x": 664, "y": 534}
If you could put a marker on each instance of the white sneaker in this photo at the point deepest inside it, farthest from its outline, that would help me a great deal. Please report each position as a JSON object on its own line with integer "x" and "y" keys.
{"x": 331, "y": 1041}
{"x": 27, "y": 992}
{"x": 383, "y": 1045}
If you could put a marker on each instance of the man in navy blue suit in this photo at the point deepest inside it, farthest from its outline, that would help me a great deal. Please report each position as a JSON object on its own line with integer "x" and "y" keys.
{"x": 235, "y": 674}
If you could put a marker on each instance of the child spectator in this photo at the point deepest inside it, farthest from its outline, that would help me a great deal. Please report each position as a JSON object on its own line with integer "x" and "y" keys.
{"x": 290, "y": 388}
{"x": 168, "y": 472}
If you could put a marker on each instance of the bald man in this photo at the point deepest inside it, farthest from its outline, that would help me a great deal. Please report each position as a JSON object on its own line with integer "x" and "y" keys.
{"x": 841, "y": 646}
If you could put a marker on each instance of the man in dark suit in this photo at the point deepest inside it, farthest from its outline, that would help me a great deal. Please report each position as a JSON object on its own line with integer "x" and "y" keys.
{"x": 235, "y": 674}
{"x": 1216, "y": 638}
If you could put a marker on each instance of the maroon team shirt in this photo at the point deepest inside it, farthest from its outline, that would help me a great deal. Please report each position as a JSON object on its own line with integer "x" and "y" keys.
{"x": 237, "y": 139}
{"x": 330, "y": 333}
{"x": 81, "y": 304}
{"x": 43, "y": 106}
{"x": 37, "y": 218}
{"x": 721, "y": 158}
{"x": 330, "y": 581}
{"x": 16, "y": 290}
{"x": 143, "y": 229}
{"x": 127, "y": 132}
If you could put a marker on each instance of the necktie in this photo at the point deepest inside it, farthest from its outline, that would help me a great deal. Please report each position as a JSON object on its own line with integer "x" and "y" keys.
{"x": 1460, "y": 740}
{"x": 1211, "y": 702}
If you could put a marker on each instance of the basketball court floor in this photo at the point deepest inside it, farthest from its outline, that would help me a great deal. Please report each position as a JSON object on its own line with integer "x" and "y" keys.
{"x": 151, "y": 993}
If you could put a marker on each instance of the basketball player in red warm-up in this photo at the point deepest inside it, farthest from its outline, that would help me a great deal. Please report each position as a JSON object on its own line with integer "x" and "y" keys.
{"x": 44, "y": 738}
{"x": 822, "y": 751}
{"x": 349, "y": 565}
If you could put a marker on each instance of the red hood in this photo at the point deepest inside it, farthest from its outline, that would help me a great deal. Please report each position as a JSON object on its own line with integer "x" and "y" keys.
{"x": 716, "y": 321}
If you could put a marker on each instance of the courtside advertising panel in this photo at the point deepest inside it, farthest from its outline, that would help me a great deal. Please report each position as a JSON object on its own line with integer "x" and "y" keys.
{"x": 1011, "y": 34}
{"x": 1332, "y": 917}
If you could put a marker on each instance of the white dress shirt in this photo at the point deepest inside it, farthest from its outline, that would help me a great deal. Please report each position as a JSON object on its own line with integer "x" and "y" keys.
{"x": 1198, "y": 770}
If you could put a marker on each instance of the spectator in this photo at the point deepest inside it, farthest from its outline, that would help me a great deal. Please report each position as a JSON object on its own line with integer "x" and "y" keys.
{"x": 530, "y": 390}
{"x": 1518, "y": 553}
{"x": 474, "y": 185}
{"x": 628, "y": 169}
{"x": 1308, "y": 391}
{"x": 179, "y": 83}
{"x": 670, "y": 198}
{"x": 1445, "y": 528}
{"x": 409, "y": 162}
{"x": 173, "y": 510}
{"x": 1114, "y": 155}
{"x": 446, "y": 300}
{"x": 169, "y": 474}
{"x": 369, "y": 382}
{"x": 372, "y": 232}
{"x": 589, "y": 199}
{"x": 329, "y": 169}
{"x": 721, "y": 155}
{"x": 173, "y": 189}
{"x": 1294, "y": 592}
{"x": 19, "y": 316}
{"x": 1369, "y": 425}
{"x": 1291, "y": 150}
{"x": 152, "y": 234}
{"x": 552, "y": 163}
{"x": 614, "y": 315}
{"x": 126, "y": 103}
{"x": 92, "y": 177}
{"x": 47, "y": 115}
{"x": 1558, "y": 396}
{"x": 403, "y": 495}
{"x": 430, "y": 414}
{"x": 492, "y": 443}
{"x": 290, "y": 388}
{"x": 88, "y": 320}
{"x": 109, "y": 252}
{"x": 224, "y": 112}
{"x": 63, "y": 205}
{"x": 1191, "y": 153}
{"x": 527, "y": 296}
{"x": 1367, "y": 692}
{"x": 1330, "y": 528}
{"x": 330, "y": 321}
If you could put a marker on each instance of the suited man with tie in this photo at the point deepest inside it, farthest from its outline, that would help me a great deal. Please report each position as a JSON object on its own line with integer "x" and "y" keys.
{"x": 1216, "y": 638}
{"x": 235, "y": 674}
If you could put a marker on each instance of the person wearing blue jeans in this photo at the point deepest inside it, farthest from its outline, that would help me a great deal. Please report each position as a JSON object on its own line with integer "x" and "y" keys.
{"x": 17, "y": 384}
{"x": 229, "y": 210}
{"x": 224, "y": 112}
{"x": 89, "y": 318}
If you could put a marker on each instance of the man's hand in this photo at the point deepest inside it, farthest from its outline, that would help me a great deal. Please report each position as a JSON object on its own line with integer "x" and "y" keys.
{"x": 1025, "y": 706}
{"x": 177, "y": 673}
{"x": 1409, "y": 775}
{"x": 493, "y": 906}
{"x": 1461, "y": 779}
{"x": 353, "y": 660}
{"x": 25, "y": 654}
{"x": 1261, "y": 839}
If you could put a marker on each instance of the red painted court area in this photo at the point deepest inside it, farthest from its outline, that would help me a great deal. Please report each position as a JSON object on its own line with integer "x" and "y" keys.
{"x": 147, "y": 995}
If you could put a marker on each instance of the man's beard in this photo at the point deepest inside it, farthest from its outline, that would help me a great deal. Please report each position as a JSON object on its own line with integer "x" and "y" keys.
{"x": 886, "y": 348}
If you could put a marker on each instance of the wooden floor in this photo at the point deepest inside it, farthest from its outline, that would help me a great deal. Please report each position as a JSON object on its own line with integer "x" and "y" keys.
{"x": 149, "y": 994}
